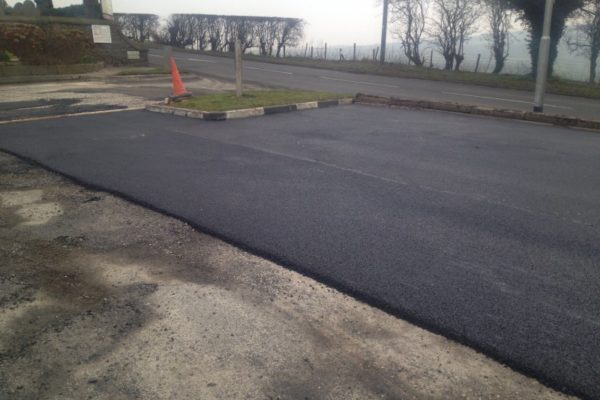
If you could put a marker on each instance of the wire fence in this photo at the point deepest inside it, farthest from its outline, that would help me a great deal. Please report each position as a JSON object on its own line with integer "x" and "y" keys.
{"x": 567, "y": 66}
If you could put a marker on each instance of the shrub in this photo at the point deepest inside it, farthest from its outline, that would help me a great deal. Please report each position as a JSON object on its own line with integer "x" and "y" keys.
{"x": 67, "y": 46}
{"x": 36, "y": 46}
{"x": 4, "y": 56}
{"x": 23, "y": 40}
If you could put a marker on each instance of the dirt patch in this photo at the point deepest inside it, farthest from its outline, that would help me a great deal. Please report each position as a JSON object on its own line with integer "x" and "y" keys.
{"x": 99, "y": 92}
{"x": 102, "y": 299}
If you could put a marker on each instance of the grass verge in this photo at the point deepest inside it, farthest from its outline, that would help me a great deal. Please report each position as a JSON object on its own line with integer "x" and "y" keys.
{"x": 517, "y": 82}
{"x": 255, "y": 98}
{"x": 506, "y": 81}
{"x": 144, "y": 71}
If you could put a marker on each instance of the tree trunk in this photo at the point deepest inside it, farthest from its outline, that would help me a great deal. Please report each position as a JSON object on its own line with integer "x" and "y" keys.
{"x": 459, "y": 60}
{"x": 449, "y": 62}
{"x": 593, "y": 65}
{"x": 499, "y": 58}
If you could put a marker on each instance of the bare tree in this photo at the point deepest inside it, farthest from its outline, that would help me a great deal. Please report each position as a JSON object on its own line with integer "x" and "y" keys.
{"x": 199, "y": 31}
{"x": 219, "y": 33}
{"x": 266, "y": 34}
{"x": 586, "y": 40}
{"x": 290, "y": 32}
{"x": 239, "y": 28}
{"x": 499, "y": 17}
{"x": 215, "y": 29}
{"x": 454, "y": 22}
{"x": 140, "y": 27}
{"x": 411, "y": 18}
{"x": 177, "y": 31}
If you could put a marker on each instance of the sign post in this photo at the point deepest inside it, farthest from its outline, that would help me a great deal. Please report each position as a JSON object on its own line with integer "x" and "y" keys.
{"x": 238, "y": 68}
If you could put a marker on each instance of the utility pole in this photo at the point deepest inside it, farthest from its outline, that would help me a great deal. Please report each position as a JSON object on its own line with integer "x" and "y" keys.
{"x": 543, "y": 58}
{"x": 384, "y": 29}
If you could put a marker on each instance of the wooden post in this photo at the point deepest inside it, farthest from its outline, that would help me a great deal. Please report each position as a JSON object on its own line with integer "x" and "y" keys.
{"x": 238, "y": 68}
{"x": 431, "y": 60}
{"x": 354, "y": 57}
{"x": 306, "y": 50}
{"x": 312, "y": 51}
{"x": 167, "y": 54}
{"x": 325, "y": 51}
{"x": 477, "y": 65}
{"x": 283, "y": 51}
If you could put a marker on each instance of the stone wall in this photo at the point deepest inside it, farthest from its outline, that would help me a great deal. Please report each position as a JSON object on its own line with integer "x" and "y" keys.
{"x": 119, "y": 52}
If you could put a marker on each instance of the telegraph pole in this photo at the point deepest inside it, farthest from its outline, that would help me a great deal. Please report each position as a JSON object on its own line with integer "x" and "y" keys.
{"x": 543, "y": 58}
{"x": 384, "y": 29}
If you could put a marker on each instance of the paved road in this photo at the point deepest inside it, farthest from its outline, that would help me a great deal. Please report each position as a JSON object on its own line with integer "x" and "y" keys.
{"x": 485, "y": 230}
{"x": 326, "y": 80}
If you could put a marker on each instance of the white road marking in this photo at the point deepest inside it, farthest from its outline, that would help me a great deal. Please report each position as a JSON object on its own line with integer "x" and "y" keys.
{"x": 270, "y": 70}
{"x": 48, "y": 117}
{"x": 361, "y": 82}
{"x": 154, "y": 55}
{"x": 506, "y": 100}
{"x": 201, "y": 60}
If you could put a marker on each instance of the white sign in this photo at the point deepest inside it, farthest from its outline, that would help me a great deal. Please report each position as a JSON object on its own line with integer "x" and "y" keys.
{"x": 133, "y": 55}
{"x": 101, "y": 34}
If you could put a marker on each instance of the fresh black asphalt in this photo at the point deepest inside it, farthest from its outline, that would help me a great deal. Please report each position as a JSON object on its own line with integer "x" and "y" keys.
{"x": 43, "y": 108}
{"x": 487, "y": 231}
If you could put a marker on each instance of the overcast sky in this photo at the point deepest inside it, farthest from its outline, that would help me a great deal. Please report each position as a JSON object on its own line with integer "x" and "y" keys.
{"x": 332, "y": 21}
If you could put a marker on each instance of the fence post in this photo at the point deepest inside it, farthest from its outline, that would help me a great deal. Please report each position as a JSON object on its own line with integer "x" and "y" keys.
{"x": 312, "y": 52}
{"x": 431, "y": 60}
{"x": 325, "y": 51}
{"x": 477, "y": 64}
{"x": 283, "y": 51}
{"x": 354, "y": 57}
{"x": 238, "y": 68}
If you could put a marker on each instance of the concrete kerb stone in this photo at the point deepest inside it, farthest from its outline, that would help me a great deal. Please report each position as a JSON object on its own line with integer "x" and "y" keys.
{"x": 245, "y": 113}
{"x": 559, "y": 120}
{"x": 307, "y": 106}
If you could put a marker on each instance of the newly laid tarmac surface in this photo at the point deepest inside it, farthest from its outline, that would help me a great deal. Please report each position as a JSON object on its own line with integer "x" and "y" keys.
{"x": 485, "y": 230}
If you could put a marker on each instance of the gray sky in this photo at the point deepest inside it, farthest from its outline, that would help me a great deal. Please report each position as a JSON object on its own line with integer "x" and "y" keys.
{"x": 332, "y": 21}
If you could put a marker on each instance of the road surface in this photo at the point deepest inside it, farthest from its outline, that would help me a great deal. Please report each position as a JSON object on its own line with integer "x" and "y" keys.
{"x": 294, "y": 77}
{"x": 487, "y": 231}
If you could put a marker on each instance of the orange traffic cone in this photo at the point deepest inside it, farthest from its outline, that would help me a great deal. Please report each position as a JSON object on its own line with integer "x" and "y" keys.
{"x": 179, "y": 90}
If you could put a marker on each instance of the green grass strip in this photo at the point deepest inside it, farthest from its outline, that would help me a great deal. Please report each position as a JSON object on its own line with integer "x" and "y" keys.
{"x": 255, "y": 98}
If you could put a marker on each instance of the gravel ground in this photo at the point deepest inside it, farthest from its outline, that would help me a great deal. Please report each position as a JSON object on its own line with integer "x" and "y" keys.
{"x": 98, "y": 91}
{"x": 103, "y": 299}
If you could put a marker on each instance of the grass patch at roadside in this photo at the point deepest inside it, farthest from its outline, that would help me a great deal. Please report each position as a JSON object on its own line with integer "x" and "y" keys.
{"x": 144, "y": 71}
{"x": 506, "y": 81}
{"x": 256, "y": 98}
